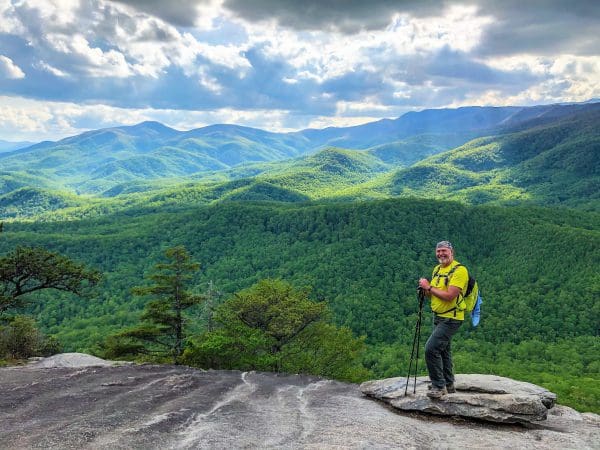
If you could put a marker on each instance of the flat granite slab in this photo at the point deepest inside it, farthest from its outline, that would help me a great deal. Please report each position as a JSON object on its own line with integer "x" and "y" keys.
{"x": 484, "y": 397}
{"x": 148, "y": 407}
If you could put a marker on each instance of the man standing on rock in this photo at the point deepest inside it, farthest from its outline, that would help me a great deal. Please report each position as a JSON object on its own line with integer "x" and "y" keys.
{"x": 448, "y": 282}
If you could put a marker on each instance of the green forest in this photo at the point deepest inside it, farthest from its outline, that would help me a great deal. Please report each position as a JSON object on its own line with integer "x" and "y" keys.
{"x": 301, "y": 252}
{"x": 536, "y": 268}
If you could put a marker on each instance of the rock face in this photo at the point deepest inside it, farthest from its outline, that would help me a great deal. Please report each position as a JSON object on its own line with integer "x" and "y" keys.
{"x": 483, "y": 397}
{"x": 168, "y": 407}
{"x": 71, "y": 360}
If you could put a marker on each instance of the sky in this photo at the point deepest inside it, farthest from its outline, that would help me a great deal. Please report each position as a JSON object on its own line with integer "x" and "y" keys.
{"x": 67, "y": 66}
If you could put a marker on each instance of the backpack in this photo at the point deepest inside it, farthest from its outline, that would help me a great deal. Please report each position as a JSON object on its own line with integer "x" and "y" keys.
{"x": 470, "y": 301}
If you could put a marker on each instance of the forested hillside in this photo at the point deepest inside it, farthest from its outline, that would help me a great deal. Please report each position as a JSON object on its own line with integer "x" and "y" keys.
{"x": 554, "y": 163}
{"x": 97, "y": 161}
{"x": 515, "y": 189}
{"x": 541, "y": 156}
{"x": 536, "y": 268}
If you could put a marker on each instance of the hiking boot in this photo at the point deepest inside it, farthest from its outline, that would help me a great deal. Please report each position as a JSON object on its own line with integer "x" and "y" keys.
{"x": 436, "y": 392}
{"x": 450, "y": 389}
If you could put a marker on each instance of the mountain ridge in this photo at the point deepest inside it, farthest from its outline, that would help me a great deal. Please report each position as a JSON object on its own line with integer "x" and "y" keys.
{"x": 105, "y": 162}
{"x": 413, "y": 122}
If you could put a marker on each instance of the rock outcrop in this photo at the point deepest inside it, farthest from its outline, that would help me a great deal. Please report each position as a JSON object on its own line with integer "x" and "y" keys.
{"x": 71, "y": 360}
{"x": 105, "y": 406}
{"x": 484, "y": 397}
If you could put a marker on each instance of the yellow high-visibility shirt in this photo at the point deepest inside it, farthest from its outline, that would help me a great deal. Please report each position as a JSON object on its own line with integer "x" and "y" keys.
{"x": 460, "y": 279}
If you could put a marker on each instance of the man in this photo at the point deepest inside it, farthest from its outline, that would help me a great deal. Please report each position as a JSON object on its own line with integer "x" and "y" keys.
{"x": 448, "y": 282}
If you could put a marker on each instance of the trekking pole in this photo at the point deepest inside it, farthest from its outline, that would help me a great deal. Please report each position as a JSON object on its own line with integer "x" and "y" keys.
{"x": 416, "y": 343}
{"x": 421, "y": 295}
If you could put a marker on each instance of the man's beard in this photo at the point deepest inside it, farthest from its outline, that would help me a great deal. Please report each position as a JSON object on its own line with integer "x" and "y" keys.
{"x": 444, "y": 260}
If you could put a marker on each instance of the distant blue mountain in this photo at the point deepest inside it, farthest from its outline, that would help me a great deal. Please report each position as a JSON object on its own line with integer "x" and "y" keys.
{"x": 469, "y": 122}
{"x": 8, "y": 146}
{"x": 98, "y": 160}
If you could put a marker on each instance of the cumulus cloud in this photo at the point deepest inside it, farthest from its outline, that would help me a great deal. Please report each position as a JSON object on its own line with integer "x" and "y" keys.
{"x": 349, "y": 16}
{"x": 541, "y": 27}
{"x": 8, "y": 69}
{"x": 184, "y": 13}
{"x": 26, "y": 119}
{"x": 44, "y": 66}
{"x": 516, "y": 26}
{"x": 309, "y": 62}
{"x": 452, "y": 65}
{"x": 103, "y": 40}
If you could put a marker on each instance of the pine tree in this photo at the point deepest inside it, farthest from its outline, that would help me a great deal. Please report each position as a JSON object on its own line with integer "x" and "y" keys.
{"x": 29, "y": 269}
{"x": 162, "y": 331}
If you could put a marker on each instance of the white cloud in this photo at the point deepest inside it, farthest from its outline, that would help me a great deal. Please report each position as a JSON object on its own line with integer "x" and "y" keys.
{"x": 531, "y": 26}
{"x": 460, "y": 29}
{"x": 199, "y": 13}
{"x": 8, "y": 69}
{"x": 95, "y": 61}
{"x": 344, "y": 108}
{"x": 209, "y": 82}
{"x": 535, "y": 64}
{"x": 227, "y": 56}
{"x": 9, "y": 24}
{"x": 42, "y": 65}
{"x": 23, "y": 119}
{"x": 59, "y": 13}
{"x": 564, "y": 78}
{"x": 339, "y": 121}
{"x": 302, "y": 61}
{"x": 105, "y": 39}
{"x": 152, "y": 45}
{"x": 26, "y": 119}
{"x": 321, "y": 55}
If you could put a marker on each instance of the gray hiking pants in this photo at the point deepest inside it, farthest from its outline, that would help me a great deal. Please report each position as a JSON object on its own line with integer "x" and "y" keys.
{"x": 438, "y": 353}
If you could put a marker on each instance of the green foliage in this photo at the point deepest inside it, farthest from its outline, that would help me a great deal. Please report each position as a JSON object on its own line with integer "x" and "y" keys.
{"x": 329, "y": 351}
{"x": 411, "y": 150}
{"x": 364, "y": 258}
{"x": 544, "y": 155}
{"x": 30, "y": 201}
{"x": 552, "y": 163}
{"x": 263, "y": 191}
{"x": 14, "y": 180}
{"x": 98, "y": 160}
{"x": 273, "y": 326}
{"x": 324, "y": 174}
{"x": 212, "y": 190}
{"x": 568, "y": 367}
{"x": 27, "y": 270}
{"x": 162, "y": 331}
{"x": 20, "y": 339}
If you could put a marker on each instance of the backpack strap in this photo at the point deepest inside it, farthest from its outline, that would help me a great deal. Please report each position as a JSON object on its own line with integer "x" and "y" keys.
{"x": 447, "y": 278}
{"x": 448, "y": 275}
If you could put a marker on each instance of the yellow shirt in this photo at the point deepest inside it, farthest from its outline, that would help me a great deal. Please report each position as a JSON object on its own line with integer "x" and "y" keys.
{"x": 460, "y": 279}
